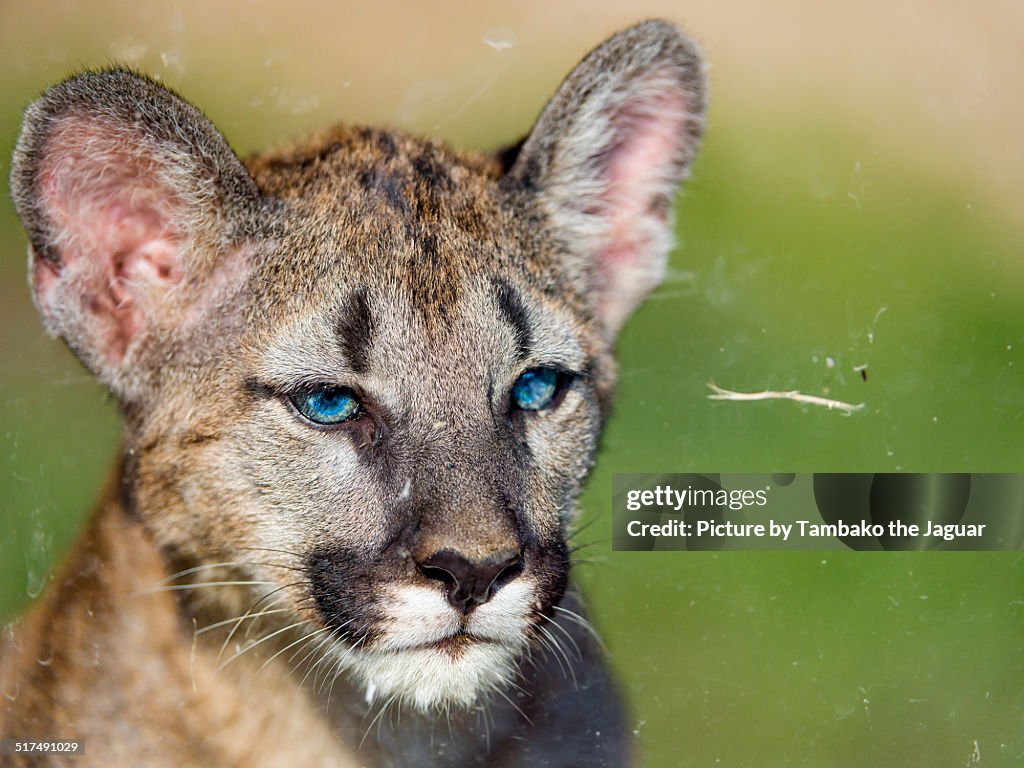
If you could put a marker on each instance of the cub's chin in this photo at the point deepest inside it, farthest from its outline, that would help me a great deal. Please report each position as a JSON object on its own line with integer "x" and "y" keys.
{"x": 425, "y": 654}
{"x": 453, "y": 673}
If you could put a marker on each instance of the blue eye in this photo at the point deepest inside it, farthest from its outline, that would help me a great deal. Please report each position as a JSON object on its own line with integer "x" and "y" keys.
{"x": 327, "y": 404}
{"x": 536, "y": 388}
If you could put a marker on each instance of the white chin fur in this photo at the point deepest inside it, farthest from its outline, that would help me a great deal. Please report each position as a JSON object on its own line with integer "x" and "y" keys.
{"x": 432, "y": 678}
{"x": 429, "y": 679}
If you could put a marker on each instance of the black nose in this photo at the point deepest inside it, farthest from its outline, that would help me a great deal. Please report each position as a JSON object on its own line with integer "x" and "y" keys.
{"x": 471, "y": 583}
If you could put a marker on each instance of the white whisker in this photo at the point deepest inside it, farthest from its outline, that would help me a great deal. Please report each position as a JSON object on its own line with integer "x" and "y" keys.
{"x": 317, "y": 647}
{"x": 569, "y": 637}
{"x": 196, "y": 569}
{"x": 514, "y": 706}
{"x": 558, "y": 649}
{"x": 237, "y": 619}
{"x": 262, "y": 640}
{"x": 375, "y": 719}
{"x": 252, "y": 608}
{"x": 201, "y": 585}
{"x": 582, "y": 623}
{"x": 304, "y": 638}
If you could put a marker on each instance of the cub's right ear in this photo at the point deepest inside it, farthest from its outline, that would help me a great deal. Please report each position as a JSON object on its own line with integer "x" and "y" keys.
{"x": 132, "y": 202}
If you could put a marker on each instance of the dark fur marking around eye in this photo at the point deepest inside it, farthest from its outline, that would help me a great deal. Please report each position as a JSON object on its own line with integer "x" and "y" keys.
{"x": 257, "y": 390}
{"x": 355, "y": 330}
{"x": 515, "y": 315}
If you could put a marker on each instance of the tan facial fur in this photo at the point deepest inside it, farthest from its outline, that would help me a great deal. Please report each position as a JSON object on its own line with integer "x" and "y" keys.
{"x": 416, "y": 553}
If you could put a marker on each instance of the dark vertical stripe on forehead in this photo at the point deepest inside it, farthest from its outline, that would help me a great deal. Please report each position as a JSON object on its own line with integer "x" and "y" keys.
{"x": 355, "y": 329}
{"x": 515, "y": 315}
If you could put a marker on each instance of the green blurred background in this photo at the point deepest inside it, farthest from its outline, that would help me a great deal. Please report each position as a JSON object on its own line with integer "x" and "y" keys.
{"x": 857, "y": 203}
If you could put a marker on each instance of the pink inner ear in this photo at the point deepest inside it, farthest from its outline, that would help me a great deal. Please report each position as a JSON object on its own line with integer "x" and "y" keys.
{"x": 641, "y": 163}
{"x": 640, "y": 177}
{"x": 111, "y": 225}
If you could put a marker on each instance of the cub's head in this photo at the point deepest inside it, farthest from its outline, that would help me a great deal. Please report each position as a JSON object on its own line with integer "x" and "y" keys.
{"x": 368, "y": 371}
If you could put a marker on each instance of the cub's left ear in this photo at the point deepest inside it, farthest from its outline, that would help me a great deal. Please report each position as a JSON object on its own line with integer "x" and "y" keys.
{"x": 606, "y": 156}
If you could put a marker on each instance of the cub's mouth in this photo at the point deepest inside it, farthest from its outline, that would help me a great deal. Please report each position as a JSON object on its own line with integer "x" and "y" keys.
{"x": 437, "y": 643}
{"x": 453, "y": 645}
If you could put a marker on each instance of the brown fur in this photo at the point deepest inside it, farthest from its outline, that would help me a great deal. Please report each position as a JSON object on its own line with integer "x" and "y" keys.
{"x": 413, "y": 555}
{"x": 96, "y": 634}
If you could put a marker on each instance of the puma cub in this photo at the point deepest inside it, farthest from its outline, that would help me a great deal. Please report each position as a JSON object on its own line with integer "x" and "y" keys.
{"x": 363, "y": 379}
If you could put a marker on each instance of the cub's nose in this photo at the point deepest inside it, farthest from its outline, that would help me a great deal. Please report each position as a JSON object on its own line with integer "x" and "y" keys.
{"x": 471, "y": 582}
